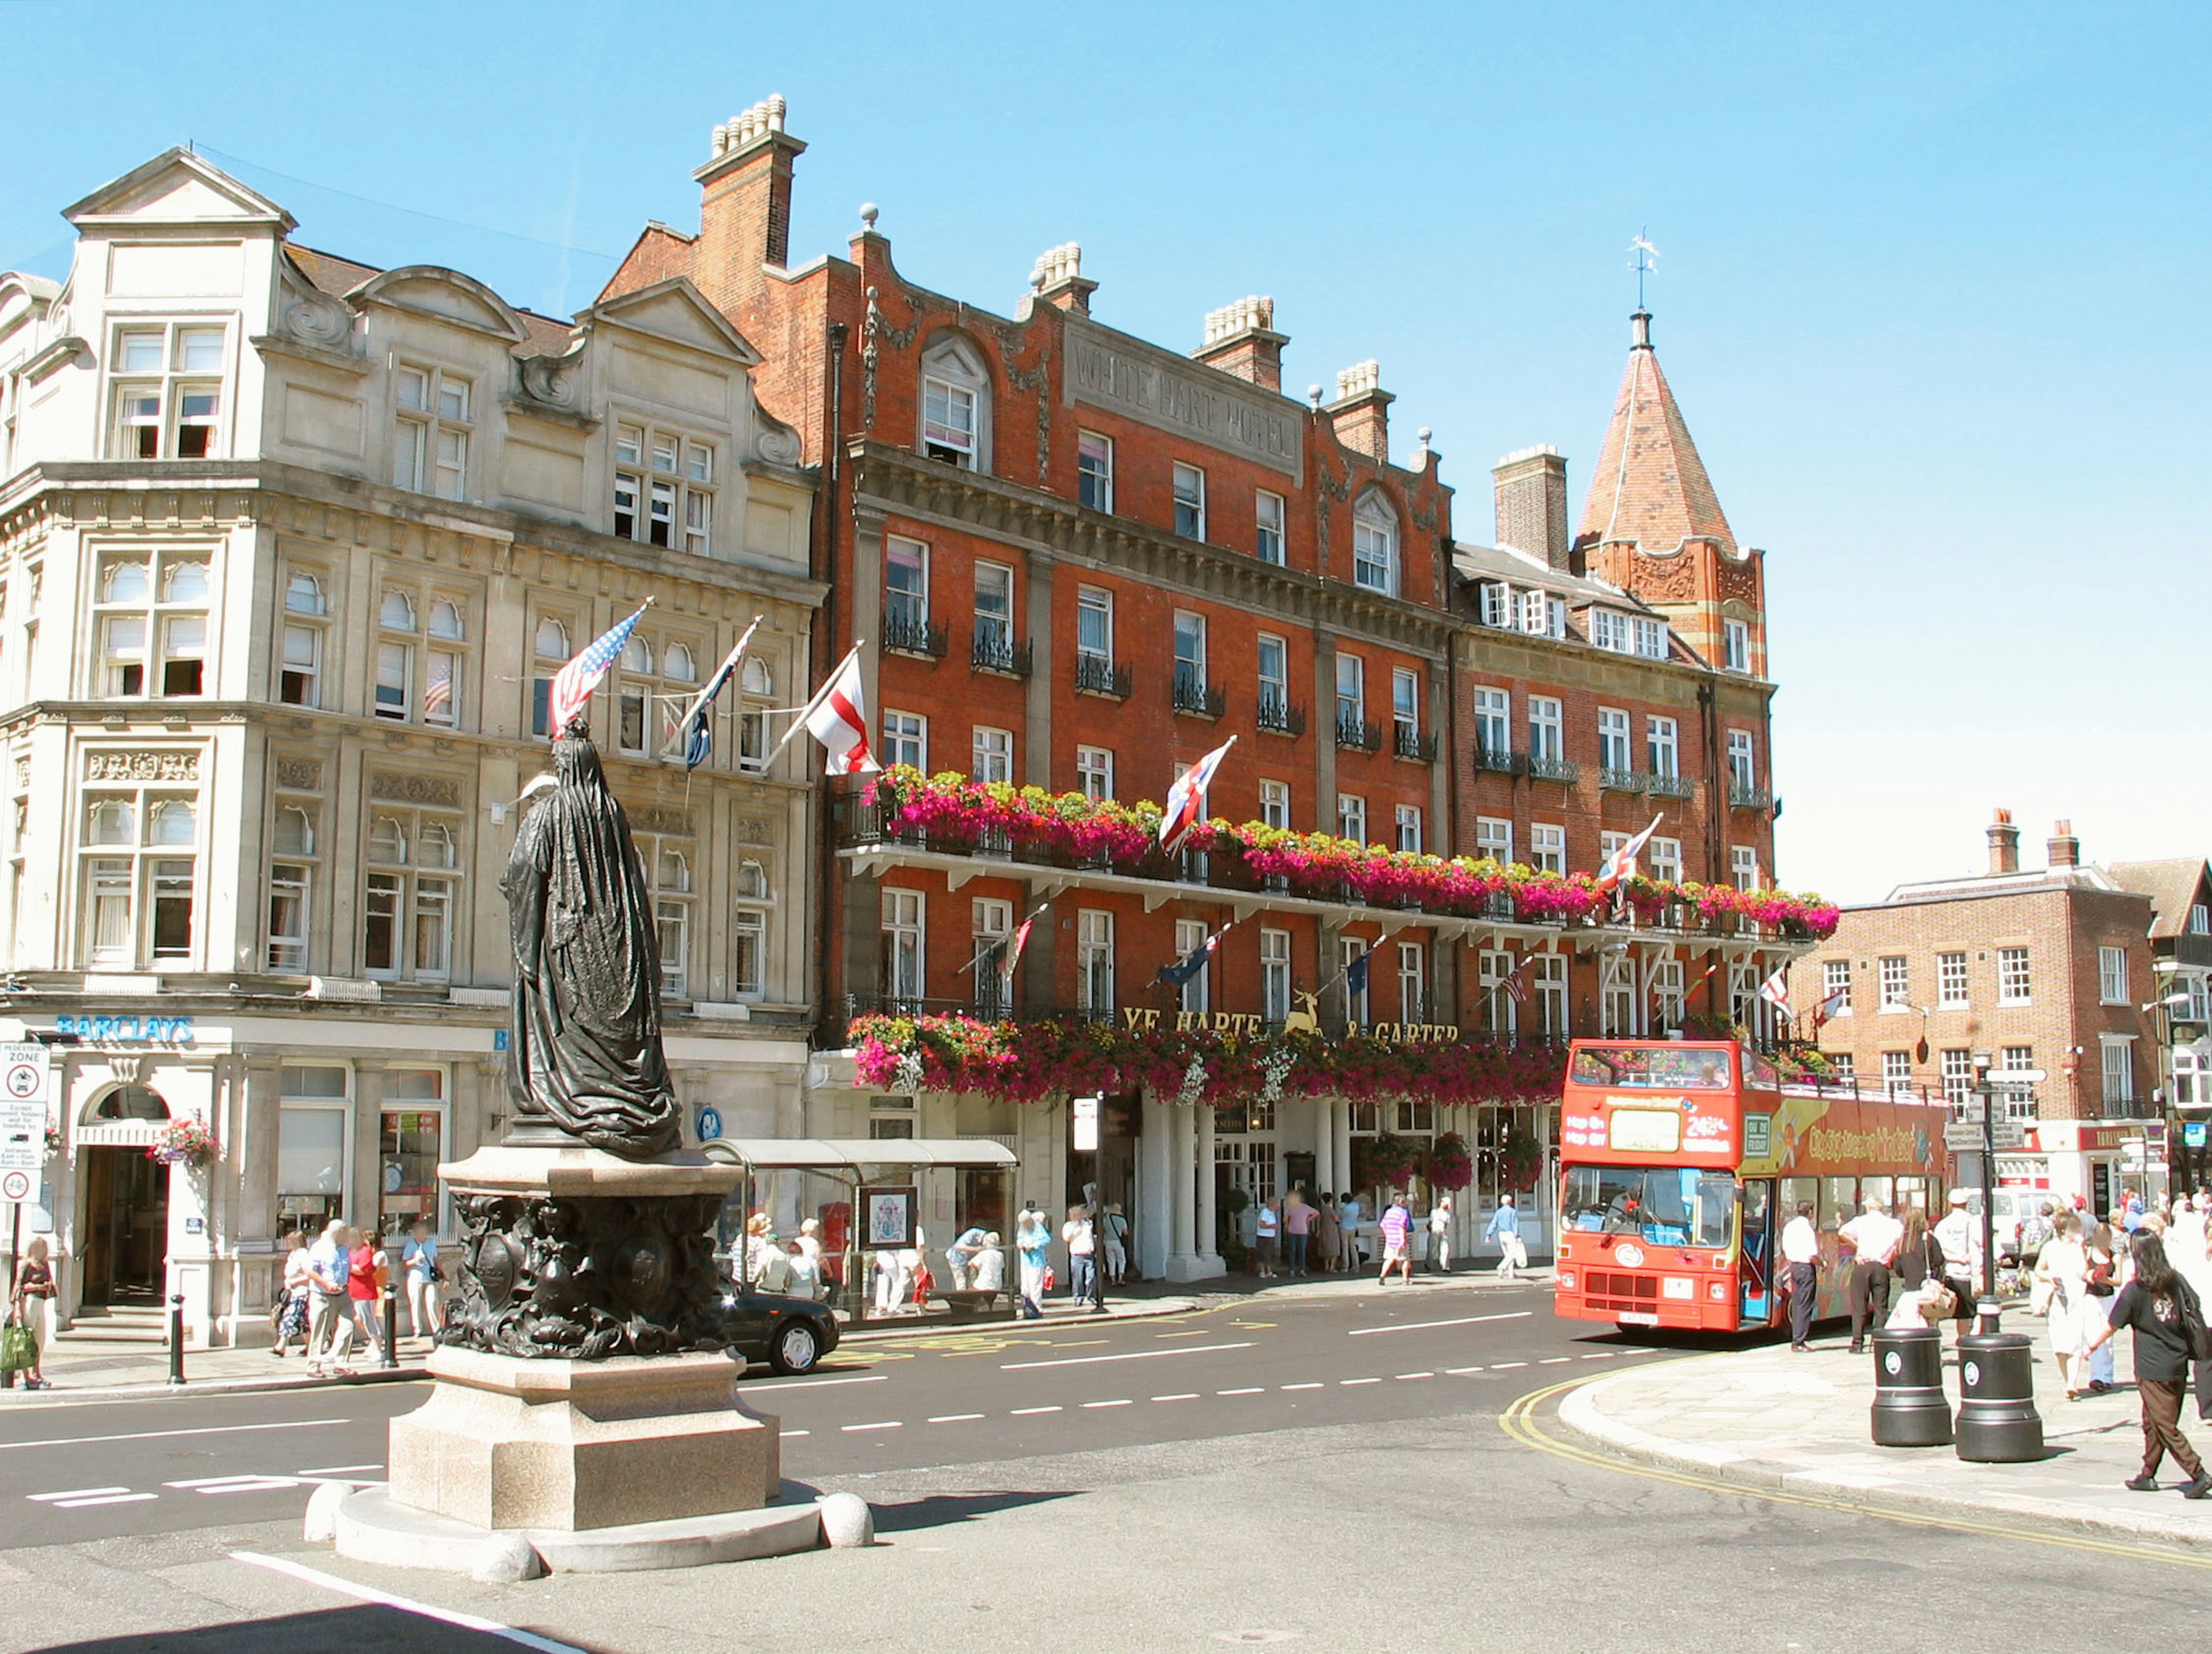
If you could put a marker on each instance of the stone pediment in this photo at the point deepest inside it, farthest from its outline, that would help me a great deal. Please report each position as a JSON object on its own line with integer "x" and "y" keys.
{"x": 676, "y": 312}
{"x": 447, "y": 295}
{"x": 177, "y": 188}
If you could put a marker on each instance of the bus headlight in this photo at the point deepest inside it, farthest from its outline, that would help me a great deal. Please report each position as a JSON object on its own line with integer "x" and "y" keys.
{"x": 1566, "y": 1280}
{"x": 1717, "y": 1290}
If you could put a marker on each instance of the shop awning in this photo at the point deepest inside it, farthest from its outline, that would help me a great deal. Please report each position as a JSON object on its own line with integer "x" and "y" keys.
{"x": 852, "y": 1154}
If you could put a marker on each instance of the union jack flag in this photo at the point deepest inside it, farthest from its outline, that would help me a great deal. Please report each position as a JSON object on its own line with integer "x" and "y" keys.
{"x": 573, "y": 685}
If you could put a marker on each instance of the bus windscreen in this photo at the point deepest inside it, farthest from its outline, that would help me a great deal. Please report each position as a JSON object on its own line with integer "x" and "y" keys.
{"x": 1664, "y": 1205}
{"x": 1668, "y": 1067}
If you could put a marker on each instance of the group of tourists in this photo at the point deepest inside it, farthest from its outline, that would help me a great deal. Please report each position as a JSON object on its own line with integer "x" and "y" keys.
{"x": 1332, "y": 1236}
{"x": 330, "y": 1291}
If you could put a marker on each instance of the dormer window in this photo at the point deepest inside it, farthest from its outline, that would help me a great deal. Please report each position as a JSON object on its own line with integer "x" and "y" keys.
{"x": 167, "y": 391}
{"x": 1375, "y": 544}
{"x": 956, "y": 404}
{"x": 1495, "y": 602}
{"x": 430, "y": 436}
{"x": 1652, "y": 638}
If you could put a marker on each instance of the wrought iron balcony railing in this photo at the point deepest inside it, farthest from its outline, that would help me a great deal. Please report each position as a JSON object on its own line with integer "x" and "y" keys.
{"x": 1622, "y": 780}
{"x": 1277, "y": 716}
{"x": 1096, "y": 675}
{"x": 995, "y": 651}
{"x": 1359, "y": 735}
{"x": 1542, "y": 766}
{"x": 1194, "y": 695}
{"x": 1502, "y": 760}
{"x": 1672, "y": 787}
{"x": 912, "y": 634}
{"x": 1743, "y": 796}
{"x": 1408, "y": 742}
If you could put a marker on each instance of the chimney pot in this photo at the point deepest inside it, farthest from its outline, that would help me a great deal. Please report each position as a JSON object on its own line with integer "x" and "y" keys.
{"x": 2004, "y": 844}
{"x": 1361, "y": 412}
{"x": 2065, "y": 849}
{"x": 1531, "y": 486}
{"x": 1241, "y": 339}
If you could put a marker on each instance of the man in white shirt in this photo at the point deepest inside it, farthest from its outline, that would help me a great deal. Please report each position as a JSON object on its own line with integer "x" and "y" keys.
{"x": 1801, "y": 1257}
{"x": 1874, "y": 1237}
{"x": 1959, "y": 1235}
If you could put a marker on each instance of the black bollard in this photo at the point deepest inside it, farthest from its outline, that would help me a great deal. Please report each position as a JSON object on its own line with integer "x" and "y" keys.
{"x": 1909, "y": 1406}
{"x": 1997, "y": 1420}
{"x": 176, "y": 1338}
{"x": 390, "y": 1352}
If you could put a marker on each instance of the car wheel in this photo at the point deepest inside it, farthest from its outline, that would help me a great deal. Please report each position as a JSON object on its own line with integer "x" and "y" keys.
{"x": 795, "y": 1347}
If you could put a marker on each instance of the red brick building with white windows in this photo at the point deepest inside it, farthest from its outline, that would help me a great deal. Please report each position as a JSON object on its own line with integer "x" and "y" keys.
{"x": 1076, "y": 561}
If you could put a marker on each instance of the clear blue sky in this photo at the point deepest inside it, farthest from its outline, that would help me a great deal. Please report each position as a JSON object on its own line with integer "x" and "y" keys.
{"x": 1931, "y": 290}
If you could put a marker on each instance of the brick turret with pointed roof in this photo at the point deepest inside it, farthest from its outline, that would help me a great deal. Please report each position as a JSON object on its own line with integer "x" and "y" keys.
{"x": 1653, "y": 526}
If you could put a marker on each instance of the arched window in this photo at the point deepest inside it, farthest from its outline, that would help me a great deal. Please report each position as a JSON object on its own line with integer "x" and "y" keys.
{"x": 303, "y": 594}
{"x": 436, "y": 846}
{"x": 674, "y": 872}
{"x": 677, "y": 662}
{"x": 111, "y": 823}
{"x": 754, "y": 740}
{"x": 752, "y": 882}
{"x": 552, "y": 640}
{"x": 387, "y": 842}
{"x": 398, "y": 612}
{"x": 169, "y": 823}
{"x": 637, "y": 655}
{"x": 758, "y": 679}
{"x": 124, "y": 582}
{"x": 184, "y": 583}
{"x": 130, "y": 1103}
{"x": 955, "y": 403}
{"x": 445, "y": 619}
{"x": 1375, "y": 544}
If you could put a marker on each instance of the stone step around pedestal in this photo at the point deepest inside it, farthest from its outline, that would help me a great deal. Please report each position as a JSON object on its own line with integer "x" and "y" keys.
{"x": 372, "y": 1527}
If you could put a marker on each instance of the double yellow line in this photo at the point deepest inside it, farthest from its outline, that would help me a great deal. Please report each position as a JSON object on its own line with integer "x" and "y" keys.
{"x": 1520, "y": 1421}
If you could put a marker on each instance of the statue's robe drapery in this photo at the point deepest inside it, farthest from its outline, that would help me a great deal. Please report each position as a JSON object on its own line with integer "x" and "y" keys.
{"x": 586, "y": 1041}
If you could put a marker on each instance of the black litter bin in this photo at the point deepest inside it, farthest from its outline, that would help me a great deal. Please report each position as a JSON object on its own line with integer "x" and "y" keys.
{"x": 1997, "y": 1420}
{"x": 1909, "y": 1406}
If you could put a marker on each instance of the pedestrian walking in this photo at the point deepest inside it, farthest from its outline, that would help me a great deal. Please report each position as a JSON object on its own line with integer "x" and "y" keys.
{"x": 292, "y": 1297}
{"x": 1397, "y": 1227}
{"x": 1082, "y": 1255}
{"x": 1266, "y": 1225}
{"x": 1921, "y": 1299}
{"x": 2168, "y": 1318}
{"x": 1440, "y": 1234}
{"x": 365, "y": 1277}
{"x": 1800, "y": 1256}
{"x": 330, "y": 1332}
{"x": 1297, "y": 1231}
{"x": 1504, "y": 1228}
{"x": 1959, "y": 1235}
{"x": 1874, "y": 1237}
{"x": 2189, "y": 1250}
{"x": 2064, "y": 1268}
{"x": 1117, "y": 1244}
{"x": 2106, "y": 1247}
{"x": 1033, "y": 1241}
{"x": 1329, "y": 1234}
{"x": 33, "y": 1290}
{"x": 806, "y": 1273}
{"x": 420, "y": 1260}
{"x": 1349, "y": 1215}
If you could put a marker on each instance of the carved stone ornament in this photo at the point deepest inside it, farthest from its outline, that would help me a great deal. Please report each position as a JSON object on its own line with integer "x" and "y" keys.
{"x": 306, "y": 774}
{"x": 554, "y": 380}
{"x": 776, "y": 441}
{"x": 584, "y": 1279}
{"x": 1663, "y": 579}
{"x": 1035, "y": 379}
{"x": 22, "y": 770}
{"x": 874, "y": 329}
{"x": 105, "y": 763}
{"x": 1739, "y": 581}
{"x": 414, "y": 789}
{"x": 751, "y": 830}
{"x": 316, "y": 318}
{"x": 665, "y": 818}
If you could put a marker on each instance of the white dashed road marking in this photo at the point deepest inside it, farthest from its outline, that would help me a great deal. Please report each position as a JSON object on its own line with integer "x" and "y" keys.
{"x": 1500, "y": 1366}
{"x": 1360, "y": 1381}
{"x": 1457, "y": 1370}
{"x": 881, "y": 1423}
{"x": 1132, "y": 1355}
{"x": 341, "y": 1469}
{"x": 74, "y": 1492}
{"x": 1120, "y": 1403}
{"x": 955, "y": 1418}
{"x": 1024, "y": 1412}
{"x": 1311, "y": 1386}
{"x": 1252, "y": 1389}
{"x": 1404, "y": 1375}
{"x": 1553, "y": 1360}
{"x": 1187, "y": 1396}
{"x": 1423, "y": 1326}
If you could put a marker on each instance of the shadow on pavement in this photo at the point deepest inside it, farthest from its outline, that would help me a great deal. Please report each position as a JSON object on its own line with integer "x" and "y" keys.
{"x": 936, "y": 1510}
{"x": 366, "y": 1628}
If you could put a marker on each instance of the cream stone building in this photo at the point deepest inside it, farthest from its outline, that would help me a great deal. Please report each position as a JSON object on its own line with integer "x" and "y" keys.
{"x": 291, "y": 548}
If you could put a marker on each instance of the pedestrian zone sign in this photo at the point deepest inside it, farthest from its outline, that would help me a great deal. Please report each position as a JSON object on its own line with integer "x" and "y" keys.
{"x": 25, "y": 1071}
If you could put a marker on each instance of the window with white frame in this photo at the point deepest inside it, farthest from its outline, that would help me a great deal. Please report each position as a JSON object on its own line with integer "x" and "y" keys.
{"x": 906, "y": 740}
{"x": 2013, "y": 983}
{"x": 956, "y": 404}
{"x": 2192, "y": 1079}
{"x": 1406, "y": 706}
{"x": 902, "y": 946}
{"x": 1608, "y": 629}
{"x": 1353, "y": 964}
{"x": 1956, "y": 1066}
{"x": 1652, "y": 638}
{"x": 1094, "y": 961}
{"x": 151, "y": 613}
{"x": 2200, "y": 919}
{"x": 1189, "y": 655}
{"x": 1275, "y": 804}
{"x": 1493, "y": 838}
{"x": 1193, "y": 994}
{"x": 995, "y": 615}
{"x": 993, "y": 754}
{"x": 2112, "y": 974}
{"x": 1375, "y": 544}
{"x": 1897, "y": 1072}
{"x": 1494, "y": 970}
{"x": 1494, "y": 603}
{"x": 1835, "y": 979}
{"x": 550, "y": 652}
{"x": 1494, "y": 724}
{"x": 1547, "y": 846}
{"x": 1735, "y": 646}
{"x": 305, "y": 635}
{"x": 1608, "y": 843}
{"x": 1896, "y": 982}
{"x": 1846, "y": 1067}
{"x": 1413, "y": 981}
{"x": 2016, "y": 1057}
{"x": 1743, "y": 769}
{"x": 1094, "y": 625}
{"x": 1662, "y": 741}
{"x": 430, "y": 430}
{"x": 1546, "y": 725}
{"x": 139, "y": 867}
{"x": 1547, "y": 984}
{"x": 2199, "y": 1008}
{"x": 313, "y": 1129}
{"x": 2119, "y": 1068}
{"x": 1094, "y": 471}
{"x": 991, "y": 932}
{"x": 1274, "y": 675}
{"x": 1616, "y": 996}
{"x": 906, "y": 590}
{"x": 657, "y": 678}
{"x": 1352, "y": 818}
{"x": 421, "y": 643}
{"x": 668, "y": 862}
{"x": 1274, "y": 975}
{"x": 1612, "y": 751}
{"x": 165, "y": 391}
{"x": 1743, "y": 865}
{"x": 1351, "y": 691}
{"x": 664, "y": 487}
{"x": 410, "y": 895}
{"x": 755, "y": 897}
{"x": 1189, "y": 502}
{"x": 1669, "y": 1002}
{"x": 1665, "y": 857}
{"x": 1951, "y": 979}
{"x": 755, "y": 695}
{"x": 1267, "y": 532}
{"x": 295, "y": 872}
{"x": 1542, "y": 615}
{"x": 1409, "y": 829}
{"x": 1094, "y": 771}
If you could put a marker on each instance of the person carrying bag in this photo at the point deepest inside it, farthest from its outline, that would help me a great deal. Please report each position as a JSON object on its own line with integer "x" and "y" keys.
{"x": 19, "y": 1340}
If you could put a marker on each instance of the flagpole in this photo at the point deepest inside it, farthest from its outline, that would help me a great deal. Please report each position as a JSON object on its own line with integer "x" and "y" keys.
{"x": 816, "y": 700}
{"x": 715, "y": 685}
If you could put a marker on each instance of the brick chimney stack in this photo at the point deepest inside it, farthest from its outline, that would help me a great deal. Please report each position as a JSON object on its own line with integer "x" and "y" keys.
{"x": 744, "y": 206}
{"x": 1241, "y": 339}
{"x": 1057, "y": 278}
{"x": 1532, "y": 504}
{"x": 1361, "y": 412}
{"x": 2065, "y": 849}
{"x": 2004, "y": 844}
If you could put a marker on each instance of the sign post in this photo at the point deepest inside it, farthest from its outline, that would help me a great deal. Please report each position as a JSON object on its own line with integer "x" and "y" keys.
{"x": 26, "y": 1073}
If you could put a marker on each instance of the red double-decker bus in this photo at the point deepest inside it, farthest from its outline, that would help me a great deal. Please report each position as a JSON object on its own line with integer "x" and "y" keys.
{"x": 1680, "y": 1162}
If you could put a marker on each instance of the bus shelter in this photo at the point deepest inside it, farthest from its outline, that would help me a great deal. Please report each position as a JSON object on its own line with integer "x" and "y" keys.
{"x": 882, "y": 1210}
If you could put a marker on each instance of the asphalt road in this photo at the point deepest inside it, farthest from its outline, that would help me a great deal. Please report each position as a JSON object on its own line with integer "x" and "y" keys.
{"x": 1367, "y": 1474}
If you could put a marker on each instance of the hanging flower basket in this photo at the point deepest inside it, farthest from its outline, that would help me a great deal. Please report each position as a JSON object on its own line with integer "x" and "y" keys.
{"x": 185, "y": 1142}
{"x": 1449, "y": 1165}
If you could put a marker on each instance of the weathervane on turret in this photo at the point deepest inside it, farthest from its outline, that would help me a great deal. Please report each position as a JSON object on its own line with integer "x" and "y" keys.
{"x": 1643, "y": 253}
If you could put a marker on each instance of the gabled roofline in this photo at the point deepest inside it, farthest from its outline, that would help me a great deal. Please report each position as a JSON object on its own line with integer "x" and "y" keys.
{"x": 612, "y": 310}
{"x": 260, "y": 209}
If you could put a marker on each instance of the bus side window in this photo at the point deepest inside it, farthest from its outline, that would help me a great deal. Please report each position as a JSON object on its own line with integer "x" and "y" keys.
{"x": 1879, "y": 1188}
{"x": 1838, "y": 1203}
{"x": 1800, "y": 1191}
{"x": 1912, "y": 1196}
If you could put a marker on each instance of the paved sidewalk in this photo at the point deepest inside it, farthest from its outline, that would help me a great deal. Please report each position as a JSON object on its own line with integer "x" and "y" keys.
{"x": 1774, "y": 1420}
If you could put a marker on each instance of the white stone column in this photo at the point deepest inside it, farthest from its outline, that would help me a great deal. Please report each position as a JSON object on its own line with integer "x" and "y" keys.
{"x": 1183, "y": 1150}
{"x": 1324, "y": 1150}
{"x": 1340, "y": 1115}
{"x": 1209, "y": 1256}
{"x": 1155, "y": 1188}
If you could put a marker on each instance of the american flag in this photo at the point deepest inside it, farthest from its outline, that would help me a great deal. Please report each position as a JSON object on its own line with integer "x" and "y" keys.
{"x": 573, "y": 685}
{"x": 439, "y": 698}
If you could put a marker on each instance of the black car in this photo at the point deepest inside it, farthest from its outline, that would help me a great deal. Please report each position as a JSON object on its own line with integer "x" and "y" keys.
{"x": 792, "y": 1334}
